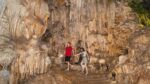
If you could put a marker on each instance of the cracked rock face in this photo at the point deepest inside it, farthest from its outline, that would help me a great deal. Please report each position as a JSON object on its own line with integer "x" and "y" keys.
{"x": 102, "y": 27}
{"x": 23, "y": 22}
{"x": 27, "y": 18}
{"x": 105, "y": 28}
{"x": 136, "y": 69}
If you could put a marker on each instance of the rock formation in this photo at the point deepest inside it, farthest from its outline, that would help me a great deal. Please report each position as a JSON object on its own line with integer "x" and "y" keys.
{"x": 101, "y": 26}
{"x": 23, "y": 22}
{"x": 136, "y": 69}
{"x": 105, "y": 28}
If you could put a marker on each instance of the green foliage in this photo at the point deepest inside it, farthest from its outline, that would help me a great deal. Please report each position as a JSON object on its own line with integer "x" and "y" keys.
{"x": 142, "y": 12}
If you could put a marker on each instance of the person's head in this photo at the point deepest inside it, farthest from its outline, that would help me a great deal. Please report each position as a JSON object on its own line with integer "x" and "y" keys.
{"x": 82, "y": 49}
{"x": 69, "y": 44}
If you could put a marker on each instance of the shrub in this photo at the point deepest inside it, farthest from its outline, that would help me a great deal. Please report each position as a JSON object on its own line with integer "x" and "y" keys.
{"x": 139, "y": 6}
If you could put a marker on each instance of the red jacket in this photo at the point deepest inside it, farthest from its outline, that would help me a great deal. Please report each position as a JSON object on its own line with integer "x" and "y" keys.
{"x": 68, "y": 51}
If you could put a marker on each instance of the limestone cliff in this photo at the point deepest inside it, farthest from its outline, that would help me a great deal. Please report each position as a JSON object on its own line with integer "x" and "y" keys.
{"x": 33, "y": 29}
{"x": 101, "y": 26}
{"x": 22, "y": 23}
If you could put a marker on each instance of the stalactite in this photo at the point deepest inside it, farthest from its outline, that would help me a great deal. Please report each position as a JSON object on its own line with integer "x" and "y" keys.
{"x": 88, "y": 18}
{"x": 24, "y": 23}
{"x": 31, "y": 61}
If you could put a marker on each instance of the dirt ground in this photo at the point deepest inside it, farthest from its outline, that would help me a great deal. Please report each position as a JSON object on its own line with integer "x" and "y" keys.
{"x": 61, "y": 76}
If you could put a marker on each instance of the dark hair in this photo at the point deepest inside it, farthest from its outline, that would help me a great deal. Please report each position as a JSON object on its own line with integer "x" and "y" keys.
{"x": 82, "y": 49}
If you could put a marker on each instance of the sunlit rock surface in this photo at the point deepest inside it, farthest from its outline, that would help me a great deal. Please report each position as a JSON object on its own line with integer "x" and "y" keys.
{"x": 102, "y": 27}
{"x": 139, "y": 54}
{"x": 105, "y": 28}
{"x": 136, "y": 69}
{"x": 22, "y": 23}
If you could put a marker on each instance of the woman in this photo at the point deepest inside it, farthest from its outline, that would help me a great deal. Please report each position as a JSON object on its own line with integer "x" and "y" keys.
{"x": 68, "y": 54}
{"x": 84, "y": 60}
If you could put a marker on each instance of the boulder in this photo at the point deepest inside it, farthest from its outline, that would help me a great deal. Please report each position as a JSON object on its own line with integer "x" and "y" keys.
{"x": 4, "y": 76}
{"x": 122, "y": 59}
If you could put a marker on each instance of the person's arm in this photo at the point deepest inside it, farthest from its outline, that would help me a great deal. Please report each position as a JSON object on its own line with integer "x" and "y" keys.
{"x": 78, "y": 54}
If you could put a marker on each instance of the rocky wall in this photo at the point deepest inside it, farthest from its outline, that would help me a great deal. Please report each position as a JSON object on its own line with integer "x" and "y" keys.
{"x": 100, "y": 26}
{"x": 22, "y": 23}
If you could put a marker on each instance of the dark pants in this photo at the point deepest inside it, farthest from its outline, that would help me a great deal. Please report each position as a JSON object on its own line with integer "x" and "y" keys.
{"x": 67, "y": 58}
